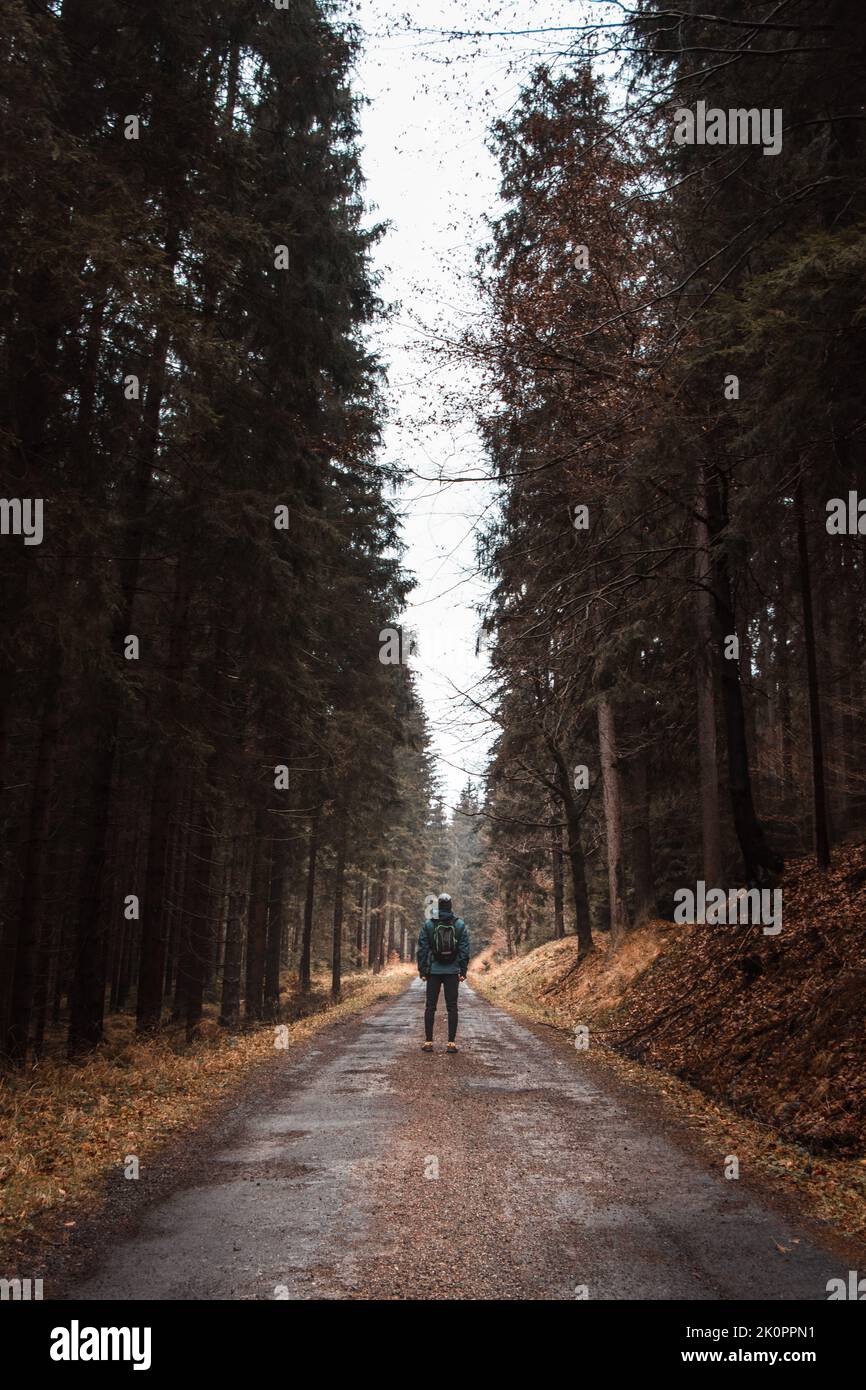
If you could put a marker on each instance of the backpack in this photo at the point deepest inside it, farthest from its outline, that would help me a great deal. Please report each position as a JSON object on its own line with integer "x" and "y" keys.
{"x": 443, "y": 942}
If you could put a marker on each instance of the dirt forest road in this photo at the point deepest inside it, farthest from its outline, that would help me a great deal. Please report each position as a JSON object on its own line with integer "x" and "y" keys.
{"x": 553, "y": 1179}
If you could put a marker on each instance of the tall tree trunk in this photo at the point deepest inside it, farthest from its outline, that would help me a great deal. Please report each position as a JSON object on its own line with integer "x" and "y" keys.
{"x": 747, "y": 686}
{"x": 612, "y": 794}
{"x": 760, "y": 861}
{"x": 711, "y": 830}
{"x": 368, "y": 912}
{"x": 377, "y": 932}
{"x": 258, "y": 921}
{"x": 127, "y": 958}
{"x": 509, "y": 936}
{"x": 200, "y": 923}
{"x": 359, "y": 925}
{"x": 304, "y": 968}
{"x": 230, "y": 1008}
{"x": 641, "y": 839}
{"x": 558, "y": 893}
{"x": 179, "y": 856}
{"x": 50, "y": 939}
{"x": 279, "y": 852}
{"x": 386, "y": 943}
{"x": 819, "y": 793}
{"x": 380, "y": 957}
{"x": 854, "y": 706}
{"x": 786, "y": 733}
{"x": 834, "y": 664}
{"x": 576, "y": 862}
{"x": 87, "y": 1003}
{"x": 337, "y": 932}
{"x": 34, "y": 880}
{"x": 373, "y": 898}
{"x": 120, "y": 944}
{"x": 155, "y": 919}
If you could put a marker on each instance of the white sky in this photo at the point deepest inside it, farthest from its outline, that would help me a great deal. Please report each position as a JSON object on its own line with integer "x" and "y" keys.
{"x": 431, "y": 177}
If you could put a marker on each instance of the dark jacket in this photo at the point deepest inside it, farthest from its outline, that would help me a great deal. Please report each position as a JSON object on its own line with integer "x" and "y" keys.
{"x": 427, "y": 962}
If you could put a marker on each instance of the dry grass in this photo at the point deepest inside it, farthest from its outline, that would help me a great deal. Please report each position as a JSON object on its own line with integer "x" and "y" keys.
{"x": 64, "y": 1125}
{"x": 563, "y": 993}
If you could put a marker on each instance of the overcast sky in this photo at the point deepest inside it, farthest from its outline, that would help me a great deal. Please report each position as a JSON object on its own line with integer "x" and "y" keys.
{"x": 430, "y": 175}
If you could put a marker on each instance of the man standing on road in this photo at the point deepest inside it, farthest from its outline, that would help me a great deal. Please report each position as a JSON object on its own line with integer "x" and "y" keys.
{"x": 443, "y": 958}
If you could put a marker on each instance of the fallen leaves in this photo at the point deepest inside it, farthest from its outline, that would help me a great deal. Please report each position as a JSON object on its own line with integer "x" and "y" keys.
{"x": 65, "y": 1125}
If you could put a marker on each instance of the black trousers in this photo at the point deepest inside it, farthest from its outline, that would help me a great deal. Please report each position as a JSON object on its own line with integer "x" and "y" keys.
{"x": 450, "y": 983}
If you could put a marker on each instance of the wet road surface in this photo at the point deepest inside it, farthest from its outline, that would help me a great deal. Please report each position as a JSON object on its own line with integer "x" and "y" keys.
{"x": 357, "y": 1167}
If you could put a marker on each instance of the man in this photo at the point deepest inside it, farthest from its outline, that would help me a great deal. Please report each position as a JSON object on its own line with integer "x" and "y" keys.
{"x": 443, "y": 958}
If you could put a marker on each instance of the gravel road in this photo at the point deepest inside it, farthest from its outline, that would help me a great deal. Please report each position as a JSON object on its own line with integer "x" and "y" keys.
{"x": 356, "y": 1167}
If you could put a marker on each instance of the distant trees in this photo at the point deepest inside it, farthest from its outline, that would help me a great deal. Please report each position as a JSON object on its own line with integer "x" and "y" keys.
{"x": 675, "y": 347}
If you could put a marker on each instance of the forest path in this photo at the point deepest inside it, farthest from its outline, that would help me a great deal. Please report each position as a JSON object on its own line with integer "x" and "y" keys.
{"x": 551, "y": 1175}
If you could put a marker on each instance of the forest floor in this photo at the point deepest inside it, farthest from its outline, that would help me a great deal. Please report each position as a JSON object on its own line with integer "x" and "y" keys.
{"x": 66, "y": 1126}
{"x": 355, "y": 1167}
{"x": 766, "y": 1035}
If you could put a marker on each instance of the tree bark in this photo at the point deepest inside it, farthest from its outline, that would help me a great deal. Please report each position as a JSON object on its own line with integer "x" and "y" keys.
{"x": 359, "y": 923}
{"x": 87, "y": 1002}
{"x": 558, "y": 893}
{"x": 200, "y": 922}
{"x": 279, "y": 850}
{"x": 509, "y": 938}
{"x": 258, "y": 919}
{"x": 641, "y": 840}
{"x": 612, "y": 794}
{"x": 760, "y": 861}
{"x": 576, "y": 863}
{"x": 373, "y": 899}
{"x": 34, "y": 879}
{"x": 337, "y": 930}
{"x": 304, "y": 969}
{"x": 155, "y": 920}
{"x": 819, "y": 792}
{"x": 230, "y": 1009}
{"x": 711, "y": 830}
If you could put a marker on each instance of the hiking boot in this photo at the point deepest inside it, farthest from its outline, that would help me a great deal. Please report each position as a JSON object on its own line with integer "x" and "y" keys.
{"x": 426, "y": 1047}
{"x": 452, "y": 1047}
